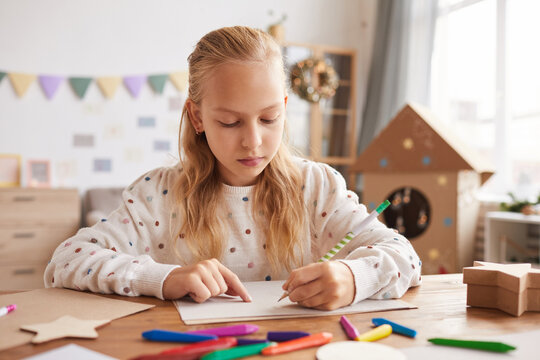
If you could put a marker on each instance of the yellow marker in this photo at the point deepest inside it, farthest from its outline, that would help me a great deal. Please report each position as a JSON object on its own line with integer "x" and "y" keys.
{"x": 378, "y": 333}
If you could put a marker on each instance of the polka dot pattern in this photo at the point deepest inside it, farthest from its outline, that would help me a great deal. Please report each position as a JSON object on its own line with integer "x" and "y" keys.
{"x": 335, "y": 214}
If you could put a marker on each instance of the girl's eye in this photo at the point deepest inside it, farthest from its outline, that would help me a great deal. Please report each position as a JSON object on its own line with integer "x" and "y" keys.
{"x": 268, "y": 121}
{"x": 228, "y": 125}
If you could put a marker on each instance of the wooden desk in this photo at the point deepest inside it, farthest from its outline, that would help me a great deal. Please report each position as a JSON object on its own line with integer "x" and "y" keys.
{"x": 441, "y": 313}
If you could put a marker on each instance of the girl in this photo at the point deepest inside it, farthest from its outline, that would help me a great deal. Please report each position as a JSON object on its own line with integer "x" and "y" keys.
{"x": 238, "y": 207}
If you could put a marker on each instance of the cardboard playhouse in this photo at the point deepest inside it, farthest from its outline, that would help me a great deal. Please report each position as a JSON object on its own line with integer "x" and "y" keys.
{"x": 431, "y": 179}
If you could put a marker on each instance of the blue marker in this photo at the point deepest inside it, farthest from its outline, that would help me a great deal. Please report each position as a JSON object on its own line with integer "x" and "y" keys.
{"x": 396, "y": 328}
{"x": 175, "y": 336}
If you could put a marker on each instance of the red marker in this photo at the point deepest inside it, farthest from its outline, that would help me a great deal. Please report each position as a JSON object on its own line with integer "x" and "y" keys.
{"x": 297, "y": 344}
{"x": 192, "y": 351}
{"x": 202, "y": 347}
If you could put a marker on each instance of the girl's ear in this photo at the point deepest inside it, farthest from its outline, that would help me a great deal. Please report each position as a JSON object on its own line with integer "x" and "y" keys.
{"x": 286, "y": 98}
{"x": 194, "y": 116}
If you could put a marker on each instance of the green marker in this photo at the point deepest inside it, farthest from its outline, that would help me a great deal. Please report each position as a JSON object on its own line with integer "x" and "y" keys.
{"x": 330, "y": 254}
{"x": 479, "y": 345}
{"x": 237, "y": 351}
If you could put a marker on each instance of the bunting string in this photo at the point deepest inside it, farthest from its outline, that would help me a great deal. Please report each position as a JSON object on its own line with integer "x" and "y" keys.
{"x": 108, "y": 85}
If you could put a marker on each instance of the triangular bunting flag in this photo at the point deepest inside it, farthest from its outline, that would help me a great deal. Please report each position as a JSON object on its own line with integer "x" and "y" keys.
{"x": 2, "y": 74}
{"x": 134, "y": 84}
{"x": 179, "y": 80}
{"x": 108, "y": 85}
{"x": 157, "y": 82}
{"x": 21, "y": 82}
{"x": 50, "y": 84}
{"x": 80, "y": 85}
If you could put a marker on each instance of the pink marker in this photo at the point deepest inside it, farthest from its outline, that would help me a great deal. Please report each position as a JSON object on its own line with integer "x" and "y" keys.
{"x": 7, "y": 309}
{"x": 234, "y": 330}
{"x": 349, "y": 328}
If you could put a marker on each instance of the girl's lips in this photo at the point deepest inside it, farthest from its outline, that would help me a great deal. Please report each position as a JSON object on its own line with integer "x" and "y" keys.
{"x": 251, "y": 161}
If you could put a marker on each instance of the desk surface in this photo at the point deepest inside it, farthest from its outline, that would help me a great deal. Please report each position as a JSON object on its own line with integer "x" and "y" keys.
{"x": 441, "y": 312}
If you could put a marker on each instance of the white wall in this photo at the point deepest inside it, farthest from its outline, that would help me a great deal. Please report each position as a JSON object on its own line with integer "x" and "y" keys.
{"x": 125, "y": 37}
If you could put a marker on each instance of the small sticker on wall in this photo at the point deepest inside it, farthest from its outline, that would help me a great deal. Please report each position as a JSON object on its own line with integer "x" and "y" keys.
{"x": 133, "y": 154}
{"x": 102, "y": 165}
{"x": 93, "y": 109}
{"x": 113, "y": 131}
{"x": 66, "y": 170}
{"x": 147, "y": 121}
{"x": 162, "y": 145}
{"x": 83, "y": 140}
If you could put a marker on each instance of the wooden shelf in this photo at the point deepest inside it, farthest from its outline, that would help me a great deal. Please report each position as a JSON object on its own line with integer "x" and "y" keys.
{"x": 326, "y": 131}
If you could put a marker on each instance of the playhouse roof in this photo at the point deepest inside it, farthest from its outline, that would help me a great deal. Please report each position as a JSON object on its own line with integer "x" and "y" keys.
{"x": 415, "y": 141}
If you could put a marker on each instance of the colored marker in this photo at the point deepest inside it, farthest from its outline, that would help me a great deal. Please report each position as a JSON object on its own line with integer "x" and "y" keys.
{"x": 7, "y": 309}
{"x": 236, "y": 352}
{"x": 396, "y": 328}
{"x": 378, "y": 333}
{"x": 357, "y": 230}
{"x": 280, "y": 336}
{"x": 349, "y": 328}
{"x": 298, "y": 344}
{"x": 235, "y": 330}
{"x": 470, "y": 344}
{"x": 175, "y": 336}
{"x": 250, "y": 341}
{"x": 203, "y": 347}
{"x": 166, "y": 357}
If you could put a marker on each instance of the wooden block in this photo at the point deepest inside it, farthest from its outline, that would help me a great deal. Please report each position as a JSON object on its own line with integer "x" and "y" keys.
{"x": 512, "y": 288}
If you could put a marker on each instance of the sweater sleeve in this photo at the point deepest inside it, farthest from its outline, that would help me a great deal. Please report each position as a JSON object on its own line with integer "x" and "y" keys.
{"x": 384, "y": 263}
{"x": 124, "y": 253}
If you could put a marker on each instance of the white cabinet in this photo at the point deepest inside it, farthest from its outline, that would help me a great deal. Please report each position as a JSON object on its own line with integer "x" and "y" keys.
{"x": 512, "y": 237}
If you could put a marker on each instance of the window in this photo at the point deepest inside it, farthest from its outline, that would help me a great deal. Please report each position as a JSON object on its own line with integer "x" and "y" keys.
{"x": 485, "y": 84}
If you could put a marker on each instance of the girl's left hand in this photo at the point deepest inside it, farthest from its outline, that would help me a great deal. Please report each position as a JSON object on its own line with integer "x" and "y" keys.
{"x": 325, "y": 285}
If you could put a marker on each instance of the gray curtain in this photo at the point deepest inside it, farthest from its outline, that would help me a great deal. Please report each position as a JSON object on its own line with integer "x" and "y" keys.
{"x": 401, "y": 62}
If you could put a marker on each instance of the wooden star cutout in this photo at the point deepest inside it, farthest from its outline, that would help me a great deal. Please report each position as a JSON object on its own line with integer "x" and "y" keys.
{"x": 65, "y": 326}
{"x": 513, "y": 288}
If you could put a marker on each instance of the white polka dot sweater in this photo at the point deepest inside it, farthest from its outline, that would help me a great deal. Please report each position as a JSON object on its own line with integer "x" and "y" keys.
{"x": 129, "y": 252}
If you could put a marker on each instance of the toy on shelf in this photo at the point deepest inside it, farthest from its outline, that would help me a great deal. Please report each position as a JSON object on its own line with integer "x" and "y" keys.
{"x": 512, "y": 288}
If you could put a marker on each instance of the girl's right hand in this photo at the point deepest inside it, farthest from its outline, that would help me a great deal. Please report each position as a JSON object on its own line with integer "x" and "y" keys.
{"x": 203, "y": 280}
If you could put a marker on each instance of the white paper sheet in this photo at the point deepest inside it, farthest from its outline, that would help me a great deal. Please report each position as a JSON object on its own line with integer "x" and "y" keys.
{"x": 525, "y": 342}
{"x": 264, "y": 306}
{"x": 70, "y": 351}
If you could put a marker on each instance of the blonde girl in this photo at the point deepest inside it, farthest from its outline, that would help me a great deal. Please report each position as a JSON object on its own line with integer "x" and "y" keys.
{"x": 238, "y": 206}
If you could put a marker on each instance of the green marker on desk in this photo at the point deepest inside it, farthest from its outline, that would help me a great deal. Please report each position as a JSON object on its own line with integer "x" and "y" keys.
{"x": 237, "y": 352}
{"x": 471, "y": 344}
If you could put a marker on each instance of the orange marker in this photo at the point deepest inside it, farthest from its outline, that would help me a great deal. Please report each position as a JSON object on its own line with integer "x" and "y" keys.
{"x": 297, "y": 344}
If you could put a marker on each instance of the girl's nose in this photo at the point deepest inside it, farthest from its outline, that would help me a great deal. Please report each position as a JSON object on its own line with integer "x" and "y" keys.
{"x": 251, "y": 138}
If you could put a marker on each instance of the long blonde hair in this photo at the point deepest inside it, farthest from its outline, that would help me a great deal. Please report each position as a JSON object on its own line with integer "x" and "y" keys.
{"x": 278, "y": 204}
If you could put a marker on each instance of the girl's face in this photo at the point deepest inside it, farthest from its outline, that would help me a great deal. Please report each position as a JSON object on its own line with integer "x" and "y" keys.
{"x": 242, "y": 114}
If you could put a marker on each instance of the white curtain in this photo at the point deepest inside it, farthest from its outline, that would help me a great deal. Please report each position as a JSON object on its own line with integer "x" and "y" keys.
{"x": 401, "y": 62}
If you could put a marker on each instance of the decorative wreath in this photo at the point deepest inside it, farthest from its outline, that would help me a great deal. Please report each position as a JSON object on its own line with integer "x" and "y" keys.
{"x": 313, "y": 79}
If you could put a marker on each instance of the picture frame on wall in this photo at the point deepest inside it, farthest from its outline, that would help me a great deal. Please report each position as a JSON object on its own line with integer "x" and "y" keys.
{"x": 10, "y": 170}
{"x": 38, "y": 173}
